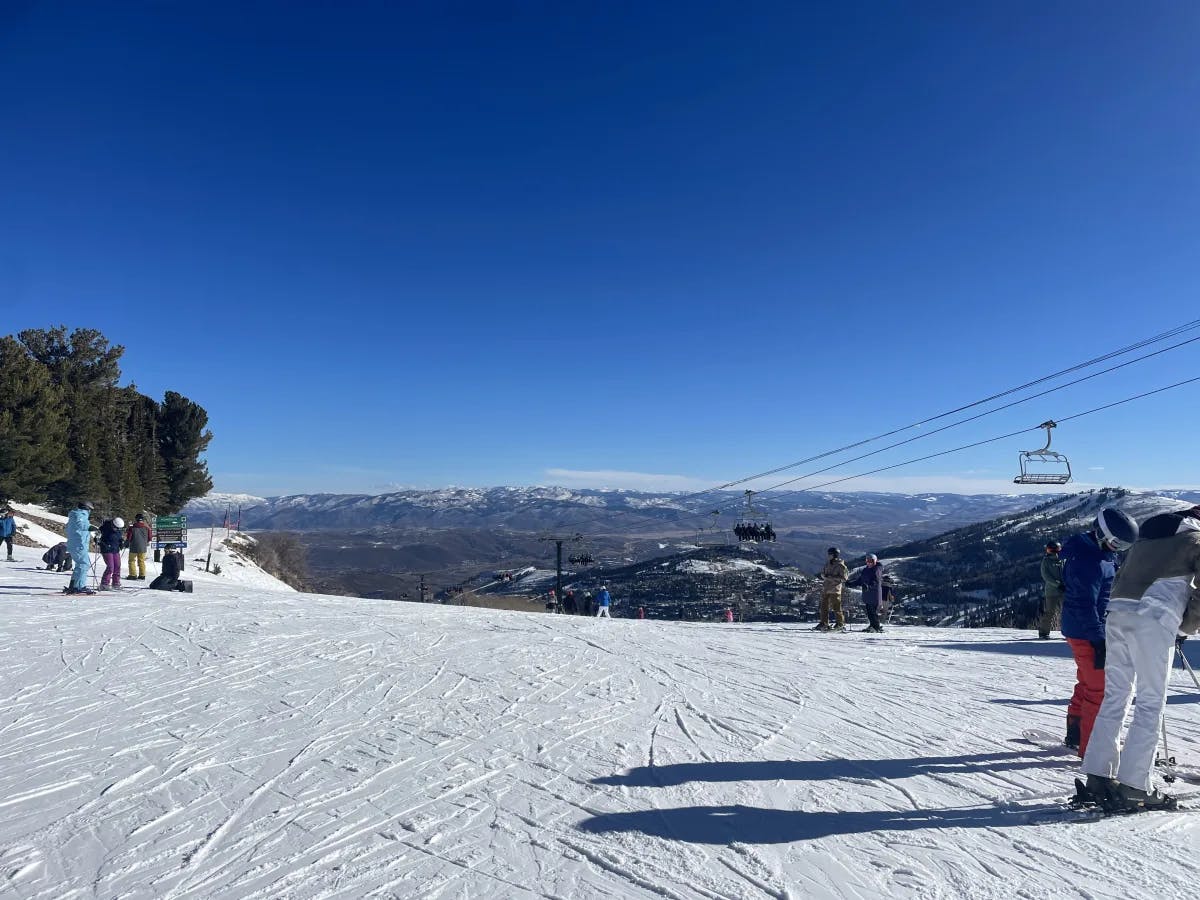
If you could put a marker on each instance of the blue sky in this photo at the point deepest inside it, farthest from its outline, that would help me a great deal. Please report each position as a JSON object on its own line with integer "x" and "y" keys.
{"x": 658, "y": 245}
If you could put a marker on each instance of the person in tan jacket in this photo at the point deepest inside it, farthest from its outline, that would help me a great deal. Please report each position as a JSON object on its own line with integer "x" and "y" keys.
{"x": 834, "y": 574}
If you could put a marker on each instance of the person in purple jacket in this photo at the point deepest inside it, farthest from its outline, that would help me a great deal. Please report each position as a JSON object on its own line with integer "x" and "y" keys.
{"x": 870, "y": 579}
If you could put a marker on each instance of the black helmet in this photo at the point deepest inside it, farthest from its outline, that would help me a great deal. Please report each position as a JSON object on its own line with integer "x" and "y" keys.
{"x": 85, "y": 504}
{"x": 139, "y": 518}
{"x": 832, "y": 551}
{"x": 1116, "y": 529}
{"x": 1053, "y": 545}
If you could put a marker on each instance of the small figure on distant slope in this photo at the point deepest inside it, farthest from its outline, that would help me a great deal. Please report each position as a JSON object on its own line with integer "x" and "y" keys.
{"x": 8, "y": 528}
{"x": 603, "y": 599}
{"x": 1089, "y": 567}
{"x": 1052, "y": 596}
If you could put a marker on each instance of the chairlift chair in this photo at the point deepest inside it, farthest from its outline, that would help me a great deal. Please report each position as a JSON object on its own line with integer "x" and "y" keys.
{"x": 1044, "y": 466}
{"x": 752, "y": 519}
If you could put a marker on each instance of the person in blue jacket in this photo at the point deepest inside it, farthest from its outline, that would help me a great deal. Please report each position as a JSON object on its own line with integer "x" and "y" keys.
{"x": 79, "y": 535}
{"x": 8, "y": 527}
{"x": 1089, "y": 567}
{"x": 603, "y": 599}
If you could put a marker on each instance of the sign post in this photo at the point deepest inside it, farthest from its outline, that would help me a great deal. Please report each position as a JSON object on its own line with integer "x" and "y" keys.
{"x": 170, "y": 530}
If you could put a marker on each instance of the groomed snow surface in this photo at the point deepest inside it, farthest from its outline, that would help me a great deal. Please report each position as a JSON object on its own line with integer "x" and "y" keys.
{"x": 252, "y": 744}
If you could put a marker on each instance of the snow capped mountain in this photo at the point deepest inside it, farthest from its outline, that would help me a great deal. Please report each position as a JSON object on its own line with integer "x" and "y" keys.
{"x": 620, "y": 511}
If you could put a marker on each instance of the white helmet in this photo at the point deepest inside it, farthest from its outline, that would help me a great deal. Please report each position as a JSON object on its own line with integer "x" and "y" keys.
{"x": 119, "y": 522}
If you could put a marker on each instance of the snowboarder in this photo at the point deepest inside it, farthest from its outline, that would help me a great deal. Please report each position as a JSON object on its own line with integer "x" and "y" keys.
{"x": 870, "y": 579}
{"x": 1052, "y": 596}
{"x": 172, "y": 568}
{"x": 603, "y": 599}
{"x": 137, "y": 539}
{"x": 1155, "y": 596}
{"x": 1089, "y": 567}
{"x": 834, "y": 573}
{"x": 79, "y": 535}
{"x": 57, "y": 557}
{"x": 8, "y": 528}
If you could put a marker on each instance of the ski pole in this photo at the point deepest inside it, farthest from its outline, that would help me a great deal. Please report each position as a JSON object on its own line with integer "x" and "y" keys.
{"x": 1187, "y": 665}
{"x": 1168, "y": 761}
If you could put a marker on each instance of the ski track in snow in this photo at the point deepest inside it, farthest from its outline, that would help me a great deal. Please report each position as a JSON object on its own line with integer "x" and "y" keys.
{"x": 244, "y": 744}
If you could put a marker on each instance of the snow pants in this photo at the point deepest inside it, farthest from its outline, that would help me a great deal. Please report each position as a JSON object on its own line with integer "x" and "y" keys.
{"x": 602, "y": 613}
{"x": 1051, "y": 613}
{"x": 1089, "y": 690}
{"x": 83, "y": 565}
{"x": 140, "y": 558}
{"x": 112, "y": 570}
{"x": 1140, "y": 652}
{"x": 831, "y": 601}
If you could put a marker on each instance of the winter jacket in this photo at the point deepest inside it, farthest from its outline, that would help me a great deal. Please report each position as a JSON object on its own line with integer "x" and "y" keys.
{"x": 8, "y": 526}
{"x": 172, "y": 564}
{"x": 110, "y": 537}
{"x": 78, "y": 534}
{"x": 870, "y": 579}
{"x": 1088, "y": 573}
{"x": 57, "y": 555}
{"x": 137, "y": 537}
{"x": 1052, "y": 575}
{"x": 835, "y": 573}
{"x": 1161, "y": 573}
{"x": 603, "y": 598}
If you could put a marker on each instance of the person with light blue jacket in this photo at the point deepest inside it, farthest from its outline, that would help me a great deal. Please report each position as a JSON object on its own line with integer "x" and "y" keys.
{"x": 79, "y": 535}
{"x": 8, "y": 527}
{"x": 603, "y": 599}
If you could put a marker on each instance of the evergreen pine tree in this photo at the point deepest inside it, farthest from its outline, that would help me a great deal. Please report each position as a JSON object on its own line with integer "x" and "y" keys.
{"x": 181, "y": 439}
{"x": 86, "y": 369}
{"x": 33, "y": 426}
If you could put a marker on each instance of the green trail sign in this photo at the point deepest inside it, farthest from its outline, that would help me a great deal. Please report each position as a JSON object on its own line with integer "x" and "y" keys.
{"x": 170, "y": 530}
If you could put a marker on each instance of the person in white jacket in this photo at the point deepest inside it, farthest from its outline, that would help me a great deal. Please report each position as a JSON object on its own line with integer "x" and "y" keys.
{"x": 1155, "y": 597}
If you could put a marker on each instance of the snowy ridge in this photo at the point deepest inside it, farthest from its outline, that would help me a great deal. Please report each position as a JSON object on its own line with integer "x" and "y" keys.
{"x": 245, "y": 744}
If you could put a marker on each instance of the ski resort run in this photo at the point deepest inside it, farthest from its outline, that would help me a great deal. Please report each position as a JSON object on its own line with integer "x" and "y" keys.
{"x": 248, "y": 743}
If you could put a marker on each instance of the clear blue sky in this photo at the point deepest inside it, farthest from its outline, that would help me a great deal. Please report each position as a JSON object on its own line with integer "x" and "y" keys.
{"x": 452, "y": 243}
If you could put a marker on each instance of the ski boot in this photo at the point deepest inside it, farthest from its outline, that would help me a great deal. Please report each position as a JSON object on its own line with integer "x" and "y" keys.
{"x": 821, "y": 626}
{"x": 1098, "y": 790}
{"x": 1072, "y": 738}
{"x": 1130, "y": 800}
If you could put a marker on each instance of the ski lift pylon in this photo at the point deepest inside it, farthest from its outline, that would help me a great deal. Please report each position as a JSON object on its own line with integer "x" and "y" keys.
{"x": 1044, "y": 466}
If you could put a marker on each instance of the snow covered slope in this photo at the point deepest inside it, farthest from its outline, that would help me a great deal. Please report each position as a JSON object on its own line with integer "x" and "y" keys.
{"x": 222, "y": 551}
{"x": 250, "y": 744}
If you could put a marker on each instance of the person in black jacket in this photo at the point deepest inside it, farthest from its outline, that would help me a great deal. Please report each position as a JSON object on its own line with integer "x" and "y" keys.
{"x": 172, "y": 568}
{"x": 57, "y": 557}
{"x": 870, "y": 579}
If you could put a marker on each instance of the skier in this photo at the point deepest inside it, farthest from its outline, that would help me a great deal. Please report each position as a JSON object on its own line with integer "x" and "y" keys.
{"x": 1089, "y": 567}
{"x": 57, "y": 557}
{"x": 834, "y": 574}
{"x": 1156, "y": 595}
{"x": 870, "y": 579}
{"x": 110, "y": 548}
{"x": 728, "y": 614}
{"x": 603, "y": 599}
{"x": 8, "y": 528}
{"x": 1052, "y": 597}
{"x": 79, "y": 531}
{"x": 137, "y": 539}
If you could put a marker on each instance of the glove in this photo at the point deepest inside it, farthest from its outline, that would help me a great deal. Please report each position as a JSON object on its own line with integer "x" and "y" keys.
{"x": 1098, "y": 648}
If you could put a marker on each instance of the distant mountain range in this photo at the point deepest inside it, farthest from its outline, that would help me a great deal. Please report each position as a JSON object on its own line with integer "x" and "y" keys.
{"x": 865, "y": 515}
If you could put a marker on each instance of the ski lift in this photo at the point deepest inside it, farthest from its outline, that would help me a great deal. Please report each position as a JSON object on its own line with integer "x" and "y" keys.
{"x": 582, "y": 556}
{"x": 1044, "y": 466}
{"x": 753, "y": 527}
{"x": 711, "y": 533}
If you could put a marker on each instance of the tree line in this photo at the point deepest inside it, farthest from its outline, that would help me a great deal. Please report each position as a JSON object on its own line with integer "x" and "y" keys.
{"x": 70, "y": 432}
